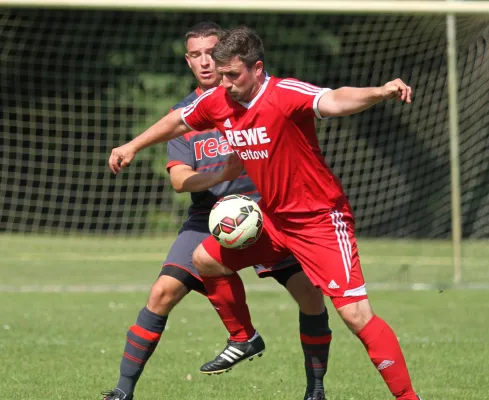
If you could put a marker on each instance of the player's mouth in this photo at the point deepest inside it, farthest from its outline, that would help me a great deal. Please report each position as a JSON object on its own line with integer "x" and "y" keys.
{"x": 206, "y": 74}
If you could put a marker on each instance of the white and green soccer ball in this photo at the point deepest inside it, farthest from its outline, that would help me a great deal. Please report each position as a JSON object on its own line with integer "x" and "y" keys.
{"x": 236, "y": 221}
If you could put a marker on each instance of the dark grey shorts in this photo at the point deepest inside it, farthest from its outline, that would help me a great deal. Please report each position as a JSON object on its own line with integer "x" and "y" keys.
{"x": 178, "y": 263}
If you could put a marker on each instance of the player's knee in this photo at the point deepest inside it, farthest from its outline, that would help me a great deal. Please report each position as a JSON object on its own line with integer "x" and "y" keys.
{"x": 199, "y": 259}
{"x": 311, "y": 301}
{"x": 309, "y": 298}
{"x": 356, "y": 315}
{"x": 315, "y": 301}
{"x": 206, "y": 265}
{"x": 165, "y": 294}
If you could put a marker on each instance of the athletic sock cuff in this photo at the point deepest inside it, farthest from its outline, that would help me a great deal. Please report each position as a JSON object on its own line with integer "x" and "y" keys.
{"x": 223, "y": 280}
{"x": 371, "y": 330}
{"x": 151, "y": 321}
{"x": 314, "y": 325}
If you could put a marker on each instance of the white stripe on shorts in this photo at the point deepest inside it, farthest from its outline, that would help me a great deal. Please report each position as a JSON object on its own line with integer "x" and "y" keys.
{"x": 343, "y": 241}
{"x": 346, "y": 238}
{"x": 359, "y": 291}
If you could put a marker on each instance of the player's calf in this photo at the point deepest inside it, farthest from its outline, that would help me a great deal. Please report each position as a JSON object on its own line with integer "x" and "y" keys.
{"x": 381, "y": 344}
{"x": 315, "y": 333}
{"x": 315, "y": 337}
{"x": 143, "y": 337}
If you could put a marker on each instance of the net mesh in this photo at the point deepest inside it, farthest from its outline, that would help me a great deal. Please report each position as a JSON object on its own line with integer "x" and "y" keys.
{"x": 74, "y": 84}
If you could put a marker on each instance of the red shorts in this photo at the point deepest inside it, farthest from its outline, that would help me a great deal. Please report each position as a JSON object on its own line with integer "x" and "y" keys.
{"x": 325, "y": 246}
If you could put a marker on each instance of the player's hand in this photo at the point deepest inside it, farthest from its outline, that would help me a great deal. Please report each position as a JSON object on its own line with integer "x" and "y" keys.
{"x": 121, "y": 157}
{"x": 232, "y": 169}
{"x": 396, "y": 89}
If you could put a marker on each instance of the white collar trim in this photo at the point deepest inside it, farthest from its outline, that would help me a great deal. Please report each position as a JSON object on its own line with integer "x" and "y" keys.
{"x": 258, "y": 95}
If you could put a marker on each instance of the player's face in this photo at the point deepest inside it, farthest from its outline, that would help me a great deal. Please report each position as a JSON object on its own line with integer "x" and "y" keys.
{"x": 242, "y": 83}
{"x": 200, "y": 61}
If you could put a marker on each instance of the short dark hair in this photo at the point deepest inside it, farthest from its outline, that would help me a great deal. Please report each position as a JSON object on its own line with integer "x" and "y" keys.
{"x": 241, "y": 42}
{"x": 204, "y": 29}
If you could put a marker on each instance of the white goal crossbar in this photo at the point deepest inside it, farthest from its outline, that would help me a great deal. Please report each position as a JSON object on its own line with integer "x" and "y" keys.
{"x": 285, "y": 6}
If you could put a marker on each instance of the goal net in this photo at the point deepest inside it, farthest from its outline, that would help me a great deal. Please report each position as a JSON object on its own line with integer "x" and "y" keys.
{"x": 74, "y": 84}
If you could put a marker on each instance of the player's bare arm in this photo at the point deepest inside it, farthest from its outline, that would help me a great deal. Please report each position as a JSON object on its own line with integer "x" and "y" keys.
{"x": 185, "y": 179}
{"x": 351, "y": 100}
{"x": 169, "y": 127}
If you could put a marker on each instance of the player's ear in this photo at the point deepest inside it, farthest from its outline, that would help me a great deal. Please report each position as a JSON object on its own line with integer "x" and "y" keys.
{"x": 259, "y": 68}
{"x": 187, "y": 57}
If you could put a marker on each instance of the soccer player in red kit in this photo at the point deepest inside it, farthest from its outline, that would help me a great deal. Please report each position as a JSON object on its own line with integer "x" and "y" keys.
{"x": 197, "y": 163}
{"x": 269, "y": 122}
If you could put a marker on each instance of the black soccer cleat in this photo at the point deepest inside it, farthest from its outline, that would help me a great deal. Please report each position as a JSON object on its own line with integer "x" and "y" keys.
{"x": 116, "y": 394}
{"x": 233, "y": 354}
{"x": 315, "y": 396}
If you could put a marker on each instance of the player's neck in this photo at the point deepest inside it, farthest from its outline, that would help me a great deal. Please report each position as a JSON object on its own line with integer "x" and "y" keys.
{"x": 202, "y": 89}
{"x": 256, "y": 89}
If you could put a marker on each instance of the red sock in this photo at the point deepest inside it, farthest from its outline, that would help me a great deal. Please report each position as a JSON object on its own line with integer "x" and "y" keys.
{"x": 386, "y": 354}
{"x": 227, "y": 295}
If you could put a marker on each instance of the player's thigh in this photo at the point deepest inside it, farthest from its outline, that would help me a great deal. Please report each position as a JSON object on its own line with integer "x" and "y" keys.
{"x": 328, "y": 253}
{"x": 290, "y": 274}
{"x": 178, "y": 263}
{"x": 265, "y": 251}
{"x": 309, "y": 297}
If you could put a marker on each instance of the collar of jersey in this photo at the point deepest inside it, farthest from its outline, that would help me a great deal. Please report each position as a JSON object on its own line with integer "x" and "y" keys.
{"x": 258, "y": 95}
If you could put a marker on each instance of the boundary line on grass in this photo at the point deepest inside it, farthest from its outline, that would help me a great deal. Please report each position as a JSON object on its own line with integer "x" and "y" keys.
{"x": 138, "y": 288}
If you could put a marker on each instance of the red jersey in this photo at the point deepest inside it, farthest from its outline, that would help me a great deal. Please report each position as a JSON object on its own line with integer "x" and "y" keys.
{"x": 275, "y": 137}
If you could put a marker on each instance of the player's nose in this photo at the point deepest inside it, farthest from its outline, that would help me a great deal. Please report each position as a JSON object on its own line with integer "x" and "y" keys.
{"x": 205, "y": 60}
{"x": 226, "y": 83}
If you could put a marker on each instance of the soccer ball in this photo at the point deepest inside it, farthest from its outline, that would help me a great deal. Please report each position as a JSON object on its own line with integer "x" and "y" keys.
{"x": 236, "y": 221}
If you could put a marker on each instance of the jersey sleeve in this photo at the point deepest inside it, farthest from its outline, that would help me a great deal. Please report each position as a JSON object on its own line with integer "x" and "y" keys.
{"x": 197, "y": 115}
{"x": 179, "y": 153}
{"x": 300, "y": 99}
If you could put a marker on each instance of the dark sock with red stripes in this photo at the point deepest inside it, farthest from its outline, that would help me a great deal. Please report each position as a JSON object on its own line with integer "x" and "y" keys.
{"x": 141, "y": 342}
{"x": 227, "y": 295}
{"x": 315, "y": 340}
{"x": 386, "y": 354}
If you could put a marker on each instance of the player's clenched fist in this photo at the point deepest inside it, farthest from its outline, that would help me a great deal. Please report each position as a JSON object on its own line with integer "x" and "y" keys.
{"x": 232, "y": 169}
{"x": 121, "y": 157}
{"x": 396, "y": 89}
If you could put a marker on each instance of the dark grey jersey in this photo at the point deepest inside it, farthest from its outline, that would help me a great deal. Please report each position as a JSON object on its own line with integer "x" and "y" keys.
{"x": 206, "y": 151}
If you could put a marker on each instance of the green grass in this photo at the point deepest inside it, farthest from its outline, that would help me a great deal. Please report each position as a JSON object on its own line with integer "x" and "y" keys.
{"x": 68, "y": 344}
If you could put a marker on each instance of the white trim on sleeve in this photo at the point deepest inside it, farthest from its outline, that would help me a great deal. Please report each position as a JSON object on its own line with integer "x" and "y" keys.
{"x": 315, "y": 103}
{"x": 186, "y": 111}
{"x": 183, "y": 119}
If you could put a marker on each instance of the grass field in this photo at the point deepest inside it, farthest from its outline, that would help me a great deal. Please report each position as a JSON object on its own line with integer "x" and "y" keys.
{"x": 66, "y": 304}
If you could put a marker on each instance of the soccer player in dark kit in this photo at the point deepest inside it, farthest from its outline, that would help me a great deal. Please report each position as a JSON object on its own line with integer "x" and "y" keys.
{"x": 199, "y": 162}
